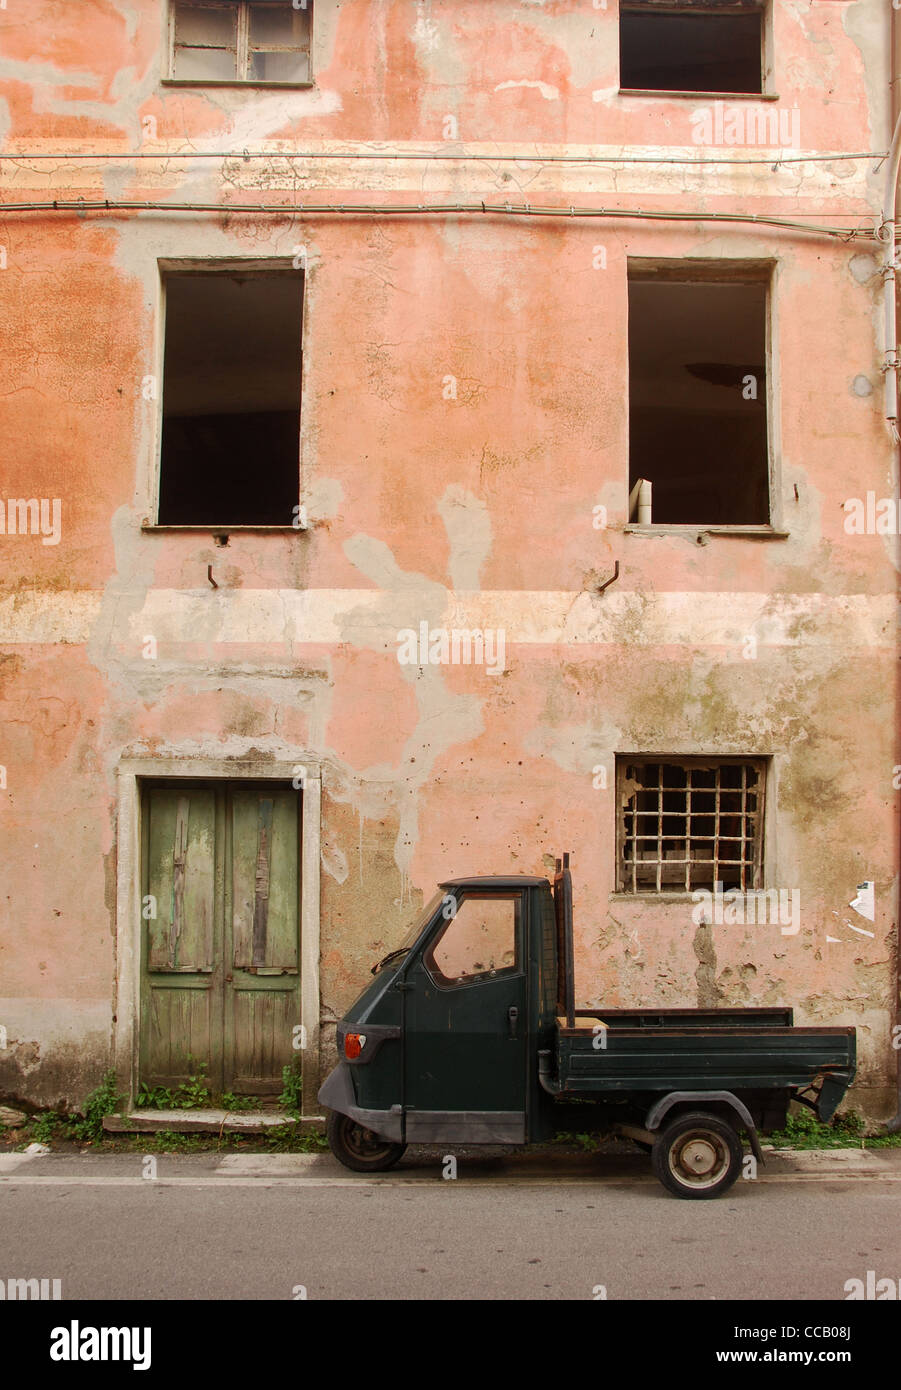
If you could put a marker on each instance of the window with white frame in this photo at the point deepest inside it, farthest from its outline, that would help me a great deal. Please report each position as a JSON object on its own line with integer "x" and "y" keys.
{"x": 254, "y": 41}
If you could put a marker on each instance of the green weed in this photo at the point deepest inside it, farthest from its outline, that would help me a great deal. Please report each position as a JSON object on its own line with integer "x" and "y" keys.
{"x": 193, "y": 1094}
{"x": 292, "y": 1087}
{"x": 803, "y": 1130}
{"x": 105, "y": 1100}
{"x": 229, "y": 1101}
{"x": 44, "y": 1127}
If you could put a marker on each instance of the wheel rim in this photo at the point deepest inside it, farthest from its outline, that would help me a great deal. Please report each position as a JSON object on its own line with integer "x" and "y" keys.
{"x": 363, "y": 1143}
{"x": 699, "y": 1158}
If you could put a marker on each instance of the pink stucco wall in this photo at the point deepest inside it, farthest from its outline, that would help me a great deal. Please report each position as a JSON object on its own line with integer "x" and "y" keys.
{"x": 424, "y": 506}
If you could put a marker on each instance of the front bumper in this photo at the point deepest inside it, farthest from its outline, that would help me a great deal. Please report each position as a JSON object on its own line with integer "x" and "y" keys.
{"x": 337, "y": 1093}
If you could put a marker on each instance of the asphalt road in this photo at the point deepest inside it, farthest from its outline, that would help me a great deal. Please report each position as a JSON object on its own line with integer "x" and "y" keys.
{"x": 288, "y": 1226}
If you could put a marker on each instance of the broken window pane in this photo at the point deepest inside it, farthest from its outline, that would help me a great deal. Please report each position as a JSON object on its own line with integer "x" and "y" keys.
{"x": 689, "y": 824}
{"x": 206, "y": 24}
{"x": 206, "y": 42}
{"x": 704, "y": 52}
{"x": 697, "y": 400}
{"x": 231, "y": 399}
{"x": 279, "y": 24}
{"x": 205, "y": 64}
{"x": 279, "y": 67}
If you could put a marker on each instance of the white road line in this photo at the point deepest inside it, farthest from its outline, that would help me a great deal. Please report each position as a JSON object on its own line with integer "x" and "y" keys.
{"x": 428, "y": 1184}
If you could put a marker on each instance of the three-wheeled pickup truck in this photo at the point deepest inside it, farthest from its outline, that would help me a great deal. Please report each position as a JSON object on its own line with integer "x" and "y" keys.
{"x": 469, "y": 1035}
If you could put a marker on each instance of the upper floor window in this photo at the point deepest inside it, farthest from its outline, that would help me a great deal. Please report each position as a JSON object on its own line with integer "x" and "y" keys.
{"x": 254, "y": 41}
{"x": 230, "y": 453}
{"x": 716, "y": 46}
{"x": 699, "y": 450}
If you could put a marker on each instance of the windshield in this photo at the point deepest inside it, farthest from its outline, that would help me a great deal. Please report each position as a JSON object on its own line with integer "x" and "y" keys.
{"x": 413, "y": 930}
{"x": 420, "y": 922}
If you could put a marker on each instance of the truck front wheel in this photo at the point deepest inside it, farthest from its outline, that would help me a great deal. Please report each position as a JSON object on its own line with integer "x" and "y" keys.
{"x": 697, "y": 1156}
{"x": 358, "y": 1148}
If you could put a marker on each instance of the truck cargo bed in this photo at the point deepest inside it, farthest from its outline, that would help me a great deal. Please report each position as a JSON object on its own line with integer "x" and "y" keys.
{"x": 688, "y": 1055}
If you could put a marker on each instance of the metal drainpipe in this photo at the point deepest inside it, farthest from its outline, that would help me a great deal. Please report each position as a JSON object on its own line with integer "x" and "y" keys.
{"x": 891, "y": 357}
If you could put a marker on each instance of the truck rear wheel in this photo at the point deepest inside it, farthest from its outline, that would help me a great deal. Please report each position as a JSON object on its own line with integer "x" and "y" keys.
{"x": 697, "y": 1156}
{"x": 358, "y": 1148}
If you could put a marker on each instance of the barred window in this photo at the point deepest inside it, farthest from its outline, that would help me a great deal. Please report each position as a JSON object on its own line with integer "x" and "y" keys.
{"x": 689, "y": 823}
{"x": 256, "y": 41}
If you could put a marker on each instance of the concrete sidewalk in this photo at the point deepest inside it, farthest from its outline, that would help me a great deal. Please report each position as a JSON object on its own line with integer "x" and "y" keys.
{"x": 421, "y": 1166}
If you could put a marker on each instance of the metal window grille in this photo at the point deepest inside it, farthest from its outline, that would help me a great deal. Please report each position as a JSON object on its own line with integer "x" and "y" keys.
{"x": 259, "y": 41}
{"x": 690, "y": 824}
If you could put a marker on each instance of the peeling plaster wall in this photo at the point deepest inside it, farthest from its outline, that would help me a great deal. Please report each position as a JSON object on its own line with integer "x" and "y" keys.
{"x": 473, "y": 509}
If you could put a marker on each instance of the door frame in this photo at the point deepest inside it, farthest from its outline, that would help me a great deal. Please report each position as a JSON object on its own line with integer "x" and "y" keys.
{"x": 131, "y": 773}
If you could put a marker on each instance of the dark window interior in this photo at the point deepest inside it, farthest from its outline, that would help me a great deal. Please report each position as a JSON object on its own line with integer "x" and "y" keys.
{"x": 231, "y": 399}
{"x": 706, "y": 52}
{"x": 697, "y": 424}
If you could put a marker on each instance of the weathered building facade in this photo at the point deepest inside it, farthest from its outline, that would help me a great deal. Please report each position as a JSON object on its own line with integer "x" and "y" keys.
{"x": 351, "y": 350}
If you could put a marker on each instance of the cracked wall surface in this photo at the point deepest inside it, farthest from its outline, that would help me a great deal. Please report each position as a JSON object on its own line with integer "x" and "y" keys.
{"x": 464, "y": 416}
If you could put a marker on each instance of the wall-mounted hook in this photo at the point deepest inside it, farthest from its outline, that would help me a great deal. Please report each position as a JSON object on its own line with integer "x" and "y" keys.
{"x": 209, "y": 575}
{"x": 614, "y": 576}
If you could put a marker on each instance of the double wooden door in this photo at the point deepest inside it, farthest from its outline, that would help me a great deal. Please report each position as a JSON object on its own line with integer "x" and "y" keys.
{"x": 220, "y": 969}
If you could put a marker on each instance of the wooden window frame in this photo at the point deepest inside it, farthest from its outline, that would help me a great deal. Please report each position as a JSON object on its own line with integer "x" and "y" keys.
{"x": 712, "y": 7}
{"x": 710, "y": 271}
{"x": 242, "y": 45}
{"x": 751, "y": 835}
{"x": 248, "y": 267}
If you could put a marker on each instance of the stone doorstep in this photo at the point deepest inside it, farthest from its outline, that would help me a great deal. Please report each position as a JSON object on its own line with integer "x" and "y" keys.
{"x": 204, "y": 1121}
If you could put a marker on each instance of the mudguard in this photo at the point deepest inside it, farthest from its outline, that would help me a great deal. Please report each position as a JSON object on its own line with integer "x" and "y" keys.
{"x": 337, "y": 1093}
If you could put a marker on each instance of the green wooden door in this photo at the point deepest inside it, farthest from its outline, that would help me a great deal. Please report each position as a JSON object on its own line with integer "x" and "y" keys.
{"x": 221, "y": 934}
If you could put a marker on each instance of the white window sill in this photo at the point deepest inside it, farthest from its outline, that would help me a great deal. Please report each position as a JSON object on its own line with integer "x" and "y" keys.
{"x": 697, "y": 529}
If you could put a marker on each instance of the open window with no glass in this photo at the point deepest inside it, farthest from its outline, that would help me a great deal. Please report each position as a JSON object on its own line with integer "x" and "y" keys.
{"x": 713, "y": 47}
{"x": 231, "y": 397}
{"x": 698, "y": 426}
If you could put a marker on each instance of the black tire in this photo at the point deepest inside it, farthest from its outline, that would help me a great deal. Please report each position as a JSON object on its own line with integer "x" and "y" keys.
{"x": 358, "y": 1148}
{"x": 697, "y": 1156}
